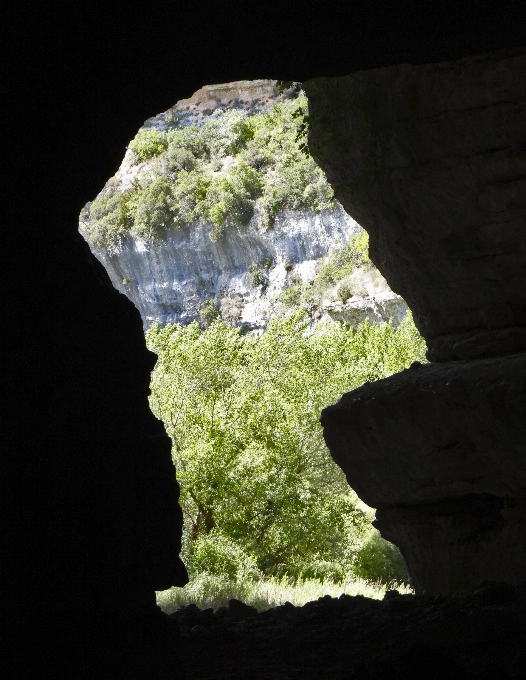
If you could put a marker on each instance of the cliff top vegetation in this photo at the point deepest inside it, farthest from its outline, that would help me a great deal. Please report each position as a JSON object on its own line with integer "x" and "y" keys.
{"x": 239, "y": 164}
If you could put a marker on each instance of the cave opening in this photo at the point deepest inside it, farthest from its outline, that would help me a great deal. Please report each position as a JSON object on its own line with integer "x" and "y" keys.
{"x": 89, "y": 496}
{"x": 219, "y": 215}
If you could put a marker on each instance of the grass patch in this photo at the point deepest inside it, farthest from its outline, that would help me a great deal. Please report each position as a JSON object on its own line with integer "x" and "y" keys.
{"x": 209, "y": 590}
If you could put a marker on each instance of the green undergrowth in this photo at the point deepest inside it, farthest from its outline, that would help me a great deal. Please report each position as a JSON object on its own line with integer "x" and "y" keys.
{"x": 211, "y": 590}
{"x": 332, "y": 272}
{"x": 235, "y": 165}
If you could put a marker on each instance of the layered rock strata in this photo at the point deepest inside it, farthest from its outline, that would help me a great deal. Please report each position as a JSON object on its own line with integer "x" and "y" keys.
{"x": 439, "y": 451}
{"x": 431, "y": 160}
{"x": 168, "y": 281}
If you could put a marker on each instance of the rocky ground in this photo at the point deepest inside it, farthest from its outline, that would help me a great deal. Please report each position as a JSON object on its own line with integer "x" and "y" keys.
{"x": 481, "y": 634}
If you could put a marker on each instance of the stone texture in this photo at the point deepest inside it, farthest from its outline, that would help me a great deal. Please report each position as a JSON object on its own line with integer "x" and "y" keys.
{"x": 431, "y": 161}
{"x": 457, "y": 542}
{"x": 76, "y": 85}
{"x": 170, "y": 280}
{"x": 471, "y": 635}
{"x": 248, "y": 94}
{"x": 382, "y": 307}
{"x": 434, "y": 431}
{"x": 440, "y": 450}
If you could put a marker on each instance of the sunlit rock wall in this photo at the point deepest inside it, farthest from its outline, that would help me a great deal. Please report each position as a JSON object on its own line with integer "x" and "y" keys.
{"x": 169, "y": 280}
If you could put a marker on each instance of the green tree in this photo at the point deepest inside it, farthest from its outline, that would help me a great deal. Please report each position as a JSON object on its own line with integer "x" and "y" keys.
{"x": 148, "y": 144}
{"x": 257, "y": 483}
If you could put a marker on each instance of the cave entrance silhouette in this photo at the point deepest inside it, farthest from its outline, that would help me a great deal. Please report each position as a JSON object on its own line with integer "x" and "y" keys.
{"x": 168, "y": 146}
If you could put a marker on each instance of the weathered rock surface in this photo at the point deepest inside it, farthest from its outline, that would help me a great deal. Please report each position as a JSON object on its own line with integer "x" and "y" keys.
{"x": 384, "y": 307}
{"x": 451, "y": 544}
{"x": 248, "y": 94}
{"x": 169, "y": 280}
{"x": 440, "y": 451}
{"x": 431, "y": 161}
{"x": 434, "y": 431}
{"x": 477, "y": 634}
{"x": 76, "y": 86}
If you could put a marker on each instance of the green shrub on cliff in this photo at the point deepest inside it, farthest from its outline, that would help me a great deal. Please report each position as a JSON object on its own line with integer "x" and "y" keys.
{"x": 259, "y": 490}
{"x": 148, "y": 144}
{"x": 236, "y": 165}
{"x": 330, "y": 271}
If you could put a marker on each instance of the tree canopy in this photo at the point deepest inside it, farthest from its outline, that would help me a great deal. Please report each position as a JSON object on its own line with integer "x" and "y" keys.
{"x": 259, "y": 490}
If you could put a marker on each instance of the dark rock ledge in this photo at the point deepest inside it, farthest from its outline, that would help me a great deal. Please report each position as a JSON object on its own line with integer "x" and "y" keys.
{"x": 478, "y": 634}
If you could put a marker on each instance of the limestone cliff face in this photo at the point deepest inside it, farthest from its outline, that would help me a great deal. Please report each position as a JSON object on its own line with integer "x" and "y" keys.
{"x": 170, "y": 278}
{"x": 169, "y": 281}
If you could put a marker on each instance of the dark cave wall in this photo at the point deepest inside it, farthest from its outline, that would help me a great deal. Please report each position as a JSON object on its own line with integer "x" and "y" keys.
{"x": 90, "y": 520}
{"x": 431, "y": 160}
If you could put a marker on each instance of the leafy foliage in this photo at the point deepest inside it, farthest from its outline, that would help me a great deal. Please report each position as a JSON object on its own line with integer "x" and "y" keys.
{"x": 379, "y": 560}
{"x": 258, "y": 486}
{"x": 331, "y": 270}
{"x": 344, "y": 291}
{"x": 209, "y": 312}
{"x": 257, "y": 275}
{"x": 233, "y": 167}
{"x": 148, "y": 143}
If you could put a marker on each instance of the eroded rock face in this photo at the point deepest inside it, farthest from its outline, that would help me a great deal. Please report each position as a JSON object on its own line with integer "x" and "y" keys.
{"x": 382, "y": 307}
{"x": 431, "y": 161}
{"x": 439, "y": 450}
{"x": 168, "y": 281}
{"x": 434, "y": 431}
{"x": 452, "y": 544}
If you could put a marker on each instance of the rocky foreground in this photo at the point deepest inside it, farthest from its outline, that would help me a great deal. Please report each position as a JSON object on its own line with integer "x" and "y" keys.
{"x": 481, "y": 634}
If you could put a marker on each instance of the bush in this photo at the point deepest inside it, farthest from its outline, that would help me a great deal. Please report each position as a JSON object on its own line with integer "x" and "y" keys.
{"x": 218, "y": 555}
{"x": 361, "y": 246}
{"x": 230, "y": 198}
{"x": 178, "y": 158}
{"x": 148, "y": 144}
{"x": 344, "y": 291}
{"x": 326, "y": 572}
{"x": 107, "y": 218}
{"x": 379, "y": 560}
{"x": 188, "y": 196}
{"x": 291, "y": 296}
{"x": 257, "y": 276}
{"x": 154, "y": 213}
{"x": 209, "y": 312}
{"x": 267, "y": 171}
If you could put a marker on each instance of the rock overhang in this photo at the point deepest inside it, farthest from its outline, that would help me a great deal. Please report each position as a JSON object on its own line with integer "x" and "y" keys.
{"x": 434, "y": 431}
